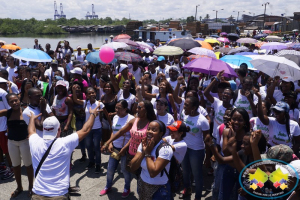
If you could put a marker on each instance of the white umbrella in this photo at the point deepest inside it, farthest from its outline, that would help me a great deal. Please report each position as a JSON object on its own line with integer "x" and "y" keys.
{"x": 144, "y": 45}
{"x": 202, "y": 51}
{"x": 247, "y": 40}
{"x": 274, "y": 45}
{"x": 115, "y": 45}
{"x": 273, "y": 38}
{"x": 277, "y": 66}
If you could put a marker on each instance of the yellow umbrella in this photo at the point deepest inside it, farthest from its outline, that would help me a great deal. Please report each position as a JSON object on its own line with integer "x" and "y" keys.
{"x": 11, "y": 47}
{"x": 212, "y": 41}
{"x": 218, "y": 55}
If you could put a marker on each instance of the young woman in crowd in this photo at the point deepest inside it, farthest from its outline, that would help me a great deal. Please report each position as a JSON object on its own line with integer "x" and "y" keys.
{"x": 291, "y": 98}
{"x": 24, "y": 100}
{"x": 119, "y": 121}
{"x": 92, "y": 141}
{"x": 18, "y": 143}
{"x": 153, "y": 182}
{"x": 194, "y": 157}
{"x": 285, "y": 86}
{"x": 162, "y": 114}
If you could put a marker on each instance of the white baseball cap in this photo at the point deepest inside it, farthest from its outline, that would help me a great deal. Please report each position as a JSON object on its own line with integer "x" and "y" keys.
{"x": 76, "y": 70}
{"x": 287, "y": 79}
{"x": 50, "y": 128}
{"x": 122, "y": 67}
{"x": 2, "y": 80}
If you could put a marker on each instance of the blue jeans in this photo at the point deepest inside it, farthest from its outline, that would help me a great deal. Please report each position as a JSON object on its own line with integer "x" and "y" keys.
{"x": 111, "y": 168}
{"x": 79, "y": 125}
{"x": 92, "y": 143}
{"x": 229, "y": 183}
{"x": 192, "y": 163}
{"x": 217, "y": 181}
{"x": 163, "y": 193}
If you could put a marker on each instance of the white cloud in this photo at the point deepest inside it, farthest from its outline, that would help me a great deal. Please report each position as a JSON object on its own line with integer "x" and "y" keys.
{"x": 143, "y": 9}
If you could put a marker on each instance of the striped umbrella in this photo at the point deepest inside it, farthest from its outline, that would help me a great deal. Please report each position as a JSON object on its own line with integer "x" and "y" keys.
{"x": 202, "y": 52}
{"x": 287, "y": 52}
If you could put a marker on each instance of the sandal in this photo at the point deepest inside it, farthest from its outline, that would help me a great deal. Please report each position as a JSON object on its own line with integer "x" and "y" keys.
{"x": 16, "y": 193}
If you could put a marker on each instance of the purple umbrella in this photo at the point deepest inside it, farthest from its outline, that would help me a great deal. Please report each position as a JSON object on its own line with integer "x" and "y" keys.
{"x": 128, "y": 56}
{"x": 274, "y": 45}
{"x": 246, "y": 53}
{"x": 210, "y": 66}
{"x": 127, "y": 41}
{"x": 223, "y": 34}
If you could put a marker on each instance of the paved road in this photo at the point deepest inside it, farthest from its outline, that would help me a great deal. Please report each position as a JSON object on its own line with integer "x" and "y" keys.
{"x": 91, "y": 183}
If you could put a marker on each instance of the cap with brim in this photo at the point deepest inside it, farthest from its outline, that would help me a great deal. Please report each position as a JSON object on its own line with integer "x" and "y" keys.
{"x": 282, "y": 106}
{"x": 111, "y": 36}
{"x": 162, "y": 100}
{"x": 161, "y": 58}
{"x": 76, "y": 63}
{"x": 279, "y": 152}
{"x": 287, "y": 79}
{"x": 76, "y": 70}
{"x": 2, "y": 80}
{"x": 174, "y": 68}
{"x": 62, "y": 83}
{"x": 78, "y": 47}
{"x": 50, "y": 128}
{"x": 54, "y": 62}
{"x": 176, "y": 126}
{"x": 122, "y": 67}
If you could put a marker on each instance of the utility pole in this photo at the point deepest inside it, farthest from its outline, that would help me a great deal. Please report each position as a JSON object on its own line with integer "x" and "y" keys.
{"x": 265, "y": 4}
{"x": 217, "y": 14}
{"x": 196, "y": 13}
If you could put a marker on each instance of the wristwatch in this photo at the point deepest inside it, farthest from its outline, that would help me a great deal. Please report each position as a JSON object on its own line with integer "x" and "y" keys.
{"x": 148, "y": 155}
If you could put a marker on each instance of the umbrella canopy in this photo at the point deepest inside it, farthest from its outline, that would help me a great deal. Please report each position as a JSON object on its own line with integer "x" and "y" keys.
{"x": 127, "y": 41}
{"x": 199, "y": 39}
{"x": 296, "y": 46}
{"x": 144, "y": 45}
{"x": 273, "y": 45}
{"x": 290, "y": 44}
{"x": 150, "y": 44}
{"x": 128, "y": 56}
{"x": 233, "y": 36}
{"x": 211, "y": 66}
{"x": 121, "y": 36}
{"x": 259, "y": 44}
{"x": 10, "y": 47}
{"x": 214, "y": 36}
{"x": 212, "y": 41}
{"x": 184, "y": 44}
{"x": 223, "y": 34}
{"x": 2, "y": 41}
{"x": 287, "y": 52}
{"x": 246, "y": 53}
{"x": 261, "y": 35}
{"x": 273, "y": 38}
{"x": 223, "y": 39}
{"x": 93, "y": 57}
{"x": 193, "y": 57}
{"x": 295, "y": 30}
{"x": 267, "y": 32}
{"x": 276, "y": 66}
{"x": 237, "y": 60}
{"x": 205, "y": 45}
{"x": 32, "y": 55}
{"x": 238, "y": 50}
{"x": 115, "y": 45}
{"x": 224, "y": 50}
{"x": 203, "y": 52}
{"x": 293, "y": 58}
{"x": 247, "y": 40}
{"x": 168, "y": 51}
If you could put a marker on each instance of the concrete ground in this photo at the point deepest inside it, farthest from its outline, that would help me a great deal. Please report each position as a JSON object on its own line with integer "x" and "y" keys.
{"x": 91, "y": 183}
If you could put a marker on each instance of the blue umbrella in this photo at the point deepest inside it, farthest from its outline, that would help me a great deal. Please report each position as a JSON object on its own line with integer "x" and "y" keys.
{"x": 237, "y": 60}
{"x": 93, "y": 57}
{"x": 200, "y": 39}
{"x": 33, "y": 55}
{"x": 246, "y": 53}
{"x": 262, "y": 35}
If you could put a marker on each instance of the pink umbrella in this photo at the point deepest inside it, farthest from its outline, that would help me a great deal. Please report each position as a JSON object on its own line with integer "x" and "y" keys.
{"x": 127, "y": 41}
{"x": 222, "y": 39}
{"x": 267, "y": 32}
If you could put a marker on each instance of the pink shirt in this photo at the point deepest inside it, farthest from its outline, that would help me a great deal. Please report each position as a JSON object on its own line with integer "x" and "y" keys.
{"x": 136, "y": 137}
{"x": 84, "y": 83}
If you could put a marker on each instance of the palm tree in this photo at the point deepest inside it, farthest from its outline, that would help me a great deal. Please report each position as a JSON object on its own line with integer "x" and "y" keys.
{"x": 207, "y": 16}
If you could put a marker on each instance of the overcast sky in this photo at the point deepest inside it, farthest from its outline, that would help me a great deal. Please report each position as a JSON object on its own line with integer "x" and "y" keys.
{"x": 144, "y": 9}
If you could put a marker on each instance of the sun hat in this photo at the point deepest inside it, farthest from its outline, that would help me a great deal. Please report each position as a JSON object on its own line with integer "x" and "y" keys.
{"x": 122, "y": 67}
{"x": 50, "y": 128}
{"x": 76, "y": 70}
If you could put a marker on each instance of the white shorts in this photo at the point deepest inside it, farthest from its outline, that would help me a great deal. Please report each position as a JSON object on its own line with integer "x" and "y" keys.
{"x": 19, "y": 150}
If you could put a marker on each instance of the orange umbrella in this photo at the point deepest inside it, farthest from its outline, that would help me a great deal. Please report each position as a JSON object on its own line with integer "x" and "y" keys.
{"x": 121, "y": 36}
{"x": 205, "y": 45}
{"x": 259, "y": 44}
{"x": 11, "y": 47}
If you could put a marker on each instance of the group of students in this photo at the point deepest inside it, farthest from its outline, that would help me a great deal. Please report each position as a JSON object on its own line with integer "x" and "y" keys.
{"x": 162, "y": 122}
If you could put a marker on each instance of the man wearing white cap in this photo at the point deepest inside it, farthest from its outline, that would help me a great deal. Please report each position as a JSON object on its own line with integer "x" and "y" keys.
{"x": 123, "y": 75}
{"x": 51, "y": 156}
{"x": 80, "y": 56}
{"x": 77, "y": 75}
{"x": 147, "y": 58}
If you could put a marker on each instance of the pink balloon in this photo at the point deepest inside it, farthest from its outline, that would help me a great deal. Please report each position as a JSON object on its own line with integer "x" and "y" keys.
{"x": 107, "y": 54}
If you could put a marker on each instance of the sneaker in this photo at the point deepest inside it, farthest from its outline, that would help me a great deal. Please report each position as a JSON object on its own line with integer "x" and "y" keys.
{"x": 105, "y": 191}
{"x": 82, "y": 159}
{"x": 185, "y": 193}
{"x": 97, "y": 170}
{"x": 126, "y": 193}
{"x": 3, "y": 169}
{"x": 8, "y": 174}
{"x": 90, "y": 165}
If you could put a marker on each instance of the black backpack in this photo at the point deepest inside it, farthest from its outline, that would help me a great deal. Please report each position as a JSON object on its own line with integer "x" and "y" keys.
{"x": 175, "y": 175}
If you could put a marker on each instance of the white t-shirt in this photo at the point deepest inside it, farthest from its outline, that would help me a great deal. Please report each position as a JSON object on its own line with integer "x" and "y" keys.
{"x": 197, "y": 124}
{"x": 294, "y": 115}
{"x": 278, "y": 134}
{"x": 164, "y": 71}
{"x": 36, "y": 111}
{"x": 153, "y": 76}
{"x": 117, "y": 124}
{"x": 180, "y": 148}
{"x": 3, "y": 105}
{"x": 69, "y": 66}
{"x": 50, "y": 74}
{"x": 11, "y": 73}
{"x": 256, "y": 124}
{"x": 148, "y": 59}
{"x": 80, "y": 57}
{"x": 172, "y": 83}
{"x": 155, "y": 89}
{"x": 242, "y": 102}
{"x": 14, "y": 88}
{"x": 167, "y": 119}
{"x": 97, "y": 124}
{"x": 53, "y": 178}
{"x": 130, "y": 100}
{"x": 164, "y": 153}
{"x": 201, "y": 110}
{"x": 137, "y": 74}
{"x": 219, "y": 113}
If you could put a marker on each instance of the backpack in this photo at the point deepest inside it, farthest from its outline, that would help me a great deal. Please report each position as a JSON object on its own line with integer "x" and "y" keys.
{"x": 175, "y": 175}
{"x": 120, "y": 77}
{"x": 235, "y": 95}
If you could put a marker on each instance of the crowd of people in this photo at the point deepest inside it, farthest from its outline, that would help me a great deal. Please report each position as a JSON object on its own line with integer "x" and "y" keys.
{"x": 162, "y": 122}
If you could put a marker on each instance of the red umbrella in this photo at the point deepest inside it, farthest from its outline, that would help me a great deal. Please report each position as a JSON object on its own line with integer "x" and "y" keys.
{"x": 121, "y": 36}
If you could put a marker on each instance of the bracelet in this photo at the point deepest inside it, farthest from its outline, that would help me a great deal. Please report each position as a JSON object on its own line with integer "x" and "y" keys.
{"x": 148, "y": 155}
{"x": 94, "y": 114}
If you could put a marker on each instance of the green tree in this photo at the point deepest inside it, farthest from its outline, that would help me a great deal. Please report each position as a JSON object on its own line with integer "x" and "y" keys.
{"x": 190, "y": 19}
